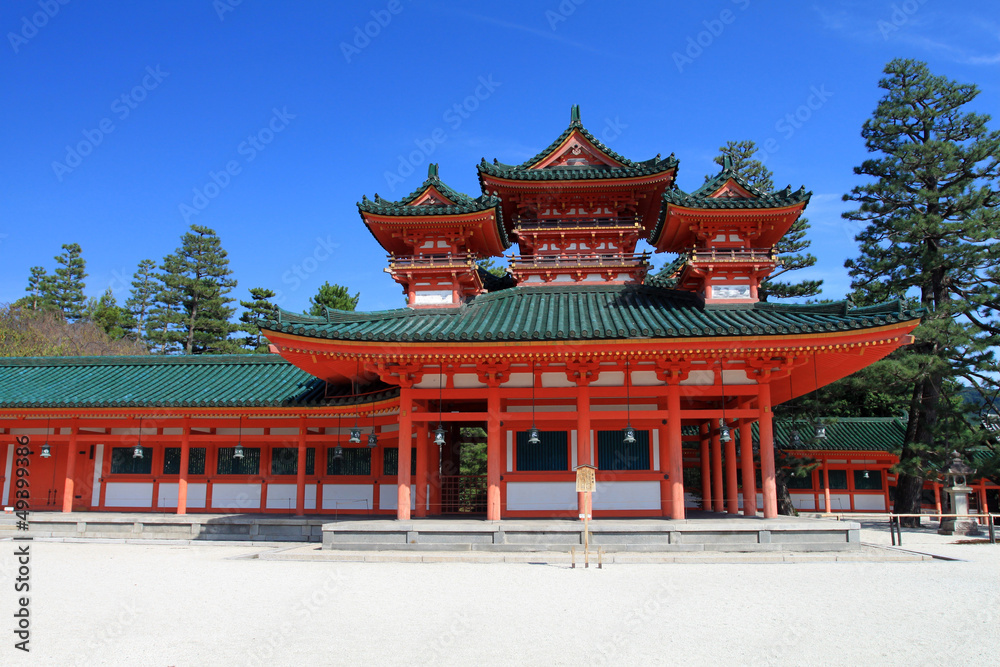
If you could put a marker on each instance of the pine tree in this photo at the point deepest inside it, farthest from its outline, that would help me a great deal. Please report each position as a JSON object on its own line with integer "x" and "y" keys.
{"x": 39, "y": 290}
{"x": 932, "y": 230}
{"x": 142, "y": 296}
{"x": 791, "y": 247}
{"x": 193, "y": 311}
{"x": 67, "y": 285}
{"x": 260, "y": 306}
{"x": 334, "y": 297}
{"x": 105, "y": 312}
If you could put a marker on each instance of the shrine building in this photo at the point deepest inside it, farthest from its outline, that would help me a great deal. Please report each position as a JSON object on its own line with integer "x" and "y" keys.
{"x": 576, "y": 355}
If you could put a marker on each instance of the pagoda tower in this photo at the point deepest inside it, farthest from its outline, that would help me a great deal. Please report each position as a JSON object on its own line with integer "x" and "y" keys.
{"x": 725, "y": 233}
{"x": 577, "y": 210}
{"x": 435, "y": 237}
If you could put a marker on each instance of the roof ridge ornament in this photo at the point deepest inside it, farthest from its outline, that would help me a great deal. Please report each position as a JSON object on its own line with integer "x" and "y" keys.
{"x": 574, "y": 115}
{"x": 727, "y": 162}
{"x": 432, "y": 171}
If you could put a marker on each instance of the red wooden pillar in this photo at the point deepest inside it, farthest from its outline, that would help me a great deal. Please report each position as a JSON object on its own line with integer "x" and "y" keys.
{"x": 826, "y": 486}
{"x": 421, "y": 483}
{"x": 749, "y": 476}
{"x": 300, "y": 470}
{"x": 403, "y": 458}
{"x": 70, "y": 470}
{"x": 675, "y": 452}
{"x": 770, "y": 488}
{"x": 718, "y": 495}
{"x": 732, "y": 494}
{"x": 583, "y": 438}
{"x": 706, "y": 469}
{"x": 937, "y": 496}
{"x": 493, "y": 448}
{"x": 182, "y": 481}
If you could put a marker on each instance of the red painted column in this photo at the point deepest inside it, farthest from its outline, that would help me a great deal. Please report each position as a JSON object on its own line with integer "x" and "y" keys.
{"x": 718, "y": 495}
{"x": 767, "y": 452}
{"x": 70, "y": 470}
{"x": 421, "y": 483}
{"x": 675, "y": 452}
{"x": 583, "y": 439}
{"x": 403, "y": 459}
{"x": 300, "y": 470}
{"x": 749, "y": 476}
{"x": 493, "y": 448}
{"x": 182, "y": 482}
{"x": 937, "y": 496}
{"x": 826, "y": 486}
{"x": 732, "y": 494}
{"x": 706, "y": 469}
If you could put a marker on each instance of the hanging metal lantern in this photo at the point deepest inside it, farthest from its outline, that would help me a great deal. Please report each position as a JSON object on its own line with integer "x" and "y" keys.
{"x": 534, "y": 436}
{"x": 724, "y": 431}
{"x": 355, "y": 435}
{"x": 820, "y": 431}
{"x": 338, "y": 452}
{"x": 46, "y": 451}
{"x": 866, "y": 474}
{"x": 796, "y": 440}
{"x": 137, "y": 451}
{"x": 629, "y": 433}
{"x": 238, "y": 451}
{"x": 372, "y": 441}
{"x": 439, "y": 434}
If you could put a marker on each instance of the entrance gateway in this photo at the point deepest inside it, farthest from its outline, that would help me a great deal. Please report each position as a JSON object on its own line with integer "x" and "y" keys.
{"x": 574, "y": 345}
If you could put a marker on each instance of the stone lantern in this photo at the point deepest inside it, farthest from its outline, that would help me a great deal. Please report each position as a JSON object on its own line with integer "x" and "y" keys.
{"x": 957, "y": 490}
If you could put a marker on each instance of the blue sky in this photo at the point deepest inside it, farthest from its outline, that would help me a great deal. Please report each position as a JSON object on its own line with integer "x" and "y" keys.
{"x": 127, "y": 121}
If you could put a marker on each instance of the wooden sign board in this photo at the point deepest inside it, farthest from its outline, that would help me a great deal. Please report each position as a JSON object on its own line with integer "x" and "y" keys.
{"x": 586, "y": 479}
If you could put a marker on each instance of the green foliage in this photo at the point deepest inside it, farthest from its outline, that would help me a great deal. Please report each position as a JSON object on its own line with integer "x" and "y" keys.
{"x": 105, "y": 312}
{"x": 492, "y": 267}
{"x": 792, "y": 246}
{"x": 334, "y": 297}
{"x": 142, "y": 296}
{"x": 192, "y": 311}
{"x": 39, "y": 333}
{"x": 39, "y": 290}
{"x": 930, "y": 230}
{"x": 66, "y": 287}
{"x": 259, "y": 306}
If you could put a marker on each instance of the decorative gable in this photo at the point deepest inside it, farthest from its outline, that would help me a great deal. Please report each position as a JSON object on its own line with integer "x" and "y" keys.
{"x": 576, "y": 151}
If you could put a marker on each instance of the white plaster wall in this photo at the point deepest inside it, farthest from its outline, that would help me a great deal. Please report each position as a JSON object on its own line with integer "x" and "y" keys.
{"x": 280, "y": 497}
{"x": 549, "y": 496}
{"x": 839, "y": 502}
{"x": 802, "y": 501}
{"x": 348, "y": 496}
{"x": 388, "y": 496}
{"x": 197, "y": 493}
{"x": 95, "y": 496}
{"x": 656, "y": 448}
{"x": 868, "y": 502}
{"x": 627, "y": 496}
{"x": 240, "y": 496}
{"x": 129, "y": 494}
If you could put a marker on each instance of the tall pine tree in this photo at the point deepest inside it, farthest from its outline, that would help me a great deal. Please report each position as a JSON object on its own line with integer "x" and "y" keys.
{"x": 39, "y": 290}
{"x": 260, "y": 306}
{"x": 931, "y": 232}
{"x": 791, "y": 248}
{"x": 193, "y": 311}
{"x": 142, "y": 296}
{"x": 68, "y": 283}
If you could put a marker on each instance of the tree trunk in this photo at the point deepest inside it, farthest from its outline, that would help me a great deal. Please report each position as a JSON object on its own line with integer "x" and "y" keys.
{"x": 908, "y": 492}
{"x": 785, "y": 506}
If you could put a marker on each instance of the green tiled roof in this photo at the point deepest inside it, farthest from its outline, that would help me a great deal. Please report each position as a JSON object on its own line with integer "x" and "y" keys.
{"x": 587, "y": 313}
{"x": 196, "y": 381}
{"x": 667, "y": 276}
{"x": 524, "y": 170}
{"x": 856, "y": 434}
{"x": 463, "y": 203}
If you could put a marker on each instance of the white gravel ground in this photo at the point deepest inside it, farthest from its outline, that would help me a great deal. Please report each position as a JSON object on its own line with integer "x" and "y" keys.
{"x": 125, "y": 604}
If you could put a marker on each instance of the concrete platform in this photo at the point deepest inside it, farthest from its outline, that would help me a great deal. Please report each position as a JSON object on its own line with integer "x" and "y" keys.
{"x": 703, "y": 532}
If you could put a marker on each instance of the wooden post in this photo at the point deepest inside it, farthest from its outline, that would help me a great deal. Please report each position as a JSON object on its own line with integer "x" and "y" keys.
{"x": 300, "y": 470}
{"x": 718, "y": 494}
{"x": 749, "y": 471}
{"x": 732, "y": 494}
{"x": 493, "y": 447}
{"x": 826, "y": 486}
{"x": 769, "y": 484}
{"x": 182, "y": 481}
{"x": 706, "y": 469}
{"x": 68, "y": 490}
{"x": 937, "y": 496}
{"x": 675, "y": 452}
{"x": 403, "y": 457}
{"x": 421, "y": 483}
{"x": 583, "y": 439}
